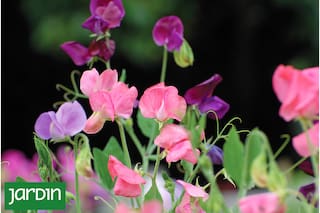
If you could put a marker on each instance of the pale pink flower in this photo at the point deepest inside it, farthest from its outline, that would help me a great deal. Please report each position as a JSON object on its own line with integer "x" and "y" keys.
{"x": 176, "y": 141}
{"x": 307, "y": 143}
{"x": 187, "y": 205}
{"x": 162, "y": 103}
{"x": 298, "y": 91}
{"x": 148, "y": 207}
{"x": 108, "y": 98}
{"x": 128, "y": 181}
{"x": 261, "y": 203}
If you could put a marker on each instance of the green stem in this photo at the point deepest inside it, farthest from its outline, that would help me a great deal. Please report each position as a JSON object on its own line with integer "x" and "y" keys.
{"x": 124, "y": 143}
{"x": 164, "y": 64}
{"x": 156, "y": 166}
{"x": 76, "y": 177}
{"x": 295, "y": 165}
{"x": 285, "y": 143}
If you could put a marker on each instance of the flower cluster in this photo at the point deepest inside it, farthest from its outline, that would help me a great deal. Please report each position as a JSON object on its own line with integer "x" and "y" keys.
{"x": 173, "y": 127}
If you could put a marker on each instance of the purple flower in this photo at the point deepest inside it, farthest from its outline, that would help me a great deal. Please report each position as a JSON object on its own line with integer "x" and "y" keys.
{"x": 216, "y": 155}
{"x": 168, "y": 31}
{"x": 81, "y": 55}
{"x": 308, "y": 191}
{"x": 306, "y": 166}
{"x": 201, "y": 95}
{"x": 69, "y": 120}
{"x": 105, "y": 14}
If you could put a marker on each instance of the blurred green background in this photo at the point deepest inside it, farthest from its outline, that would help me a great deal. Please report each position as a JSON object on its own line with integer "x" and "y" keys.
{"x": 242, "y": 40}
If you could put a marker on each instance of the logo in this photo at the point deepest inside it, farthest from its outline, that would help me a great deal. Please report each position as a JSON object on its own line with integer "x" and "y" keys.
{"x": 34, "y": 196}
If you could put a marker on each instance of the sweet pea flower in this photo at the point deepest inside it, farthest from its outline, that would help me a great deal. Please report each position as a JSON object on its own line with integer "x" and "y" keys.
{"x": 261, "y": 203}
{"x": 69, "y": 120}
{"x": 187, "y": 205}
{"x": 297, "y": 90}
{"x": 162, "y": 103}
{"x": 89, "y": 188}
{"x": 307, "y": 143}
{"x": 105, "y": 14}
{"x": 216, "y": 155}
{"x": 168, "y": 31}
{"x": 14, "y": 163}
{"x": 201, "y": 96}
{"x": 128, "y": 181}
{"x": 81, "y": 55}
{"x": 148, "y": 207}
{"x": 176, "y": 141}
{"x": 108, "y": 98}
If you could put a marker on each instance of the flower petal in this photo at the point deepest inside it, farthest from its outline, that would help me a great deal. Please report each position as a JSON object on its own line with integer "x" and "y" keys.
{"x": 216, "y": 104}
{"x": 77, "y": 52}
{"x": 42, "y": 125}
{"x": 193, "y": 191}
{"x": 88, "y": 81}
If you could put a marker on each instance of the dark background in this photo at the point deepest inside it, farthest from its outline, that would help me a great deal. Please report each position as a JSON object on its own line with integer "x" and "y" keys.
{"x": 244, "y": 41}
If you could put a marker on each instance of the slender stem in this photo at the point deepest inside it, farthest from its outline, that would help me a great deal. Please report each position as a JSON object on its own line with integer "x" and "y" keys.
{"x": 283, "y": 145}
{"x": 108, "y": 66}
{"x": 156, "y": 166}
{"x": 295, "y": 165}
{"x": 164, "y": 64}
{"x": 76, "y": 177}
{"x": 124, "y": 143}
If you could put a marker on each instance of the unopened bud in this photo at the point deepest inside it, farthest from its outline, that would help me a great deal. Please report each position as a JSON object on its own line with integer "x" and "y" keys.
{"x": 83, "y": 161}
{"x": 184, "y": 56}
{"x": 259, "y": 172}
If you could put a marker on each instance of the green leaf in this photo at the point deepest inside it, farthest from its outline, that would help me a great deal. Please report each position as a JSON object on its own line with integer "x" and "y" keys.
{"x": 233, "y": 156}
{"x": 100, "y": 162}
{"x": 253, "y": 147}
{"x": 45, "y": 168}
{"x": 153, "y": 193}
{"x": 147, "y": 126}
{"x": 113, "y": 148}
{"x": 187, "y": 167}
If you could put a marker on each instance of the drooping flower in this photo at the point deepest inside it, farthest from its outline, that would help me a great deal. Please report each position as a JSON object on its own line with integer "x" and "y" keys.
{"x": 261, "y": 203}
{"x": 168, "y": 31}
{"x": 187, "y": 204}
{"x": 89, "y": 187}
{"x": 307, "y": 143}
{"x": 297, "y": 90}
{"x": 201, "y": 95}
{"x": 108, "y": 98}
{"x": 128, "y": 181}
{"x": 176, "y": 141}
{"x": 14, "y": 163}
{"x": 162, "y": 103}
{"x": 105, "y": 14}
{"x": 69, "y": 120}
{"x": 81, "y": 55}
{"x": 149, "y": 206}
{"x": 216, "y": 155}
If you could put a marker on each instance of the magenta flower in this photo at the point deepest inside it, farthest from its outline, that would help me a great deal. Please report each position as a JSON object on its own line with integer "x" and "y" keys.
{"x": 201, "y": 95}
{"x": 128, "y": 181}
{"x": 15, "y": 163}
{"x": 168, "y": 31}
{"x": 81, "y": 55}
{"x": 105, "y": 14}
{"x": 69, "y": 120}
{"x": 176, "y": 141}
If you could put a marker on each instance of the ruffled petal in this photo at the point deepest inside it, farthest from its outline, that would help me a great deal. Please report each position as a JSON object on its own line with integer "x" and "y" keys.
{"x": 77, "y": 52}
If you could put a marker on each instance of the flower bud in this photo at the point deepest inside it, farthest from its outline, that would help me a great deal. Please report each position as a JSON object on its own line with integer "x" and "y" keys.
{"x": 83, "y": 161}
{"x": 258, "y": 171}
{"x": 184, "y": 56}
{"x": 276, "y": 180}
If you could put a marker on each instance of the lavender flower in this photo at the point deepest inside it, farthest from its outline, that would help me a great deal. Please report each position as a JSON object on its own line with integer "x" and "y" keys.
{"x": 69, "y": 120}
{"x": 168, "y": 31}
{"x": 201, "y": 95}
{"x": 216, "y": 155}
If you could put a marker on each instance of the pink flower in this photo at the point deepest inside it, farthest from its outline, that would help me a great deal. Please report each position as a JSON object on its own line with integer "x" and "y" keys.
{"x": 176, "y": 141}
{"x": 14, "y": 163}
{"x": 108, "y": 98}
{"x": 303, "y": 145}
{"x": 298, "y": 91}
{"x": 128, "y": 181}
{"x": 148, "y": 207}
{"x": 196, "y": 192}
{"x": 162, "y": 103}
{"x": 261, "y": 203}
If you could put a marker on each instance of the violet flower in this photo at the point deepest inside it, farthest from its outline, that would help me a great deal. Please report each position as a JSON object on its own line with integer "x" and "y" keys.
{"x": 105, "y": 14}
{"x": 308, "y": 190}
{"x": 201, "y": 95}
{"x": 168, "y": 31}
{"x": 69, "y": 120}
{"x": 216, "y": 155}
{"x": 81, "y": 55}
